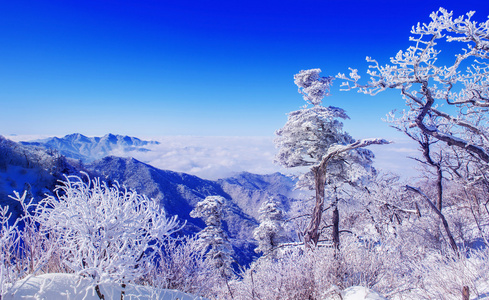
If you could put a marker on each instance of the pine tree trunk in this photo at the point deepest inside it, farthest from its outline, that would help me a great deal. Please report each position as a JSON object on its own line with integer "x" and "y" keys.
{"x": 312, "y": 230}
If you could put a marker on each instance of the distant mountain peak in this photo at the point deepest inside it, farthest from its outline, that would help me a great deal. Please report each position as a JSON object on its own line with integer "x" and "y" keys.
{"x": 88, "y": 149}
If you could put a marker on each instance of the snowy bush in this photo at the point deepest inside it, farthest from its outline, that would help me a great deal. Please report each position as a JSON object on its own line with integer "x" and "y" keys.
{"x": 23, "y": 250}
{"x": 9, "y": 237}
{"x": 182, "y": 266}
{"x": 442, "y": 276}
{"x": 287, "y": 277}
{"x": 106, "y": 233}
{"x": 311, "y": 273}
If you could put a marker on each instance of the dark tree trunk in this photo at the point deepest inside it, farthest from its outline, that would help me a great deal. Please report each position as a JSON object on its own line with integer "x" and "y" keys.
{"x": 123, "y": 291}
{"x": 465, "y": 293}
{"x": 439, "y": 184}
{"x": 99, "y": 293}
{"x": 336, "y": 227}
{"x": 425, "y": 147}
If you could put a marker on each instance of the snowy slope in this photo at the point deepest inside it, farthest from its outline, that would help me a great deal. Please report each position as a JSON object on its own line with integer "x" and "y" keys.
{"x": 69, "y": 286}
{"x": 29, "y": 169}
{"x": 73, "y": 287}
{"x": 360, "y": 293}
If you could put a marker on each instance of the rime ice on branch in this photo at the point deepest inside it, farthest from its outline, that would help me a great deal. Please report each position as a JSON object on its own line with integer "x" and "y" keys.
{"x": 426, "y": 83}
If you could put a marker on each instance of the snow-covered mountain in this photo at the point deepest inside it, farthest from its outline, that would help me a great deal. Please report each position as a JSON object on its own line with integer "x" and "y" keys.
{"x": 88, "y": 149}
{"x": 30, "y": 169}
{"x": 37, "y": 169}
{"x": 177, "y": 193}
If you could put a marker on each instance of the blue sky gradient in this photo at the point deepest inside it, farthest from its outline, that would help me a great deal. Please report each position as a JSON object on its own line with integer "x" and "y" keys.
{"x": 208, "y": 68}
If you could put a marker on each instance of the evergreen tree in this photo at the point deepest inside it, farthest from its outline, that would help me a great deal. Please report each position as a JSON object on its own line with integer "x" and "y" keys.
{"x": 313, "y": 136}
{"x": 213, "y": 239}
{"x": 270, "y": 233}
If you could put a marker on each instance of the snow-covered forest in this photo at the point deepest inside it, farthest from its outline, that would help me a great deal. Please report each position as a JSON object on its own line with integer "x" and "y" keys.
{"x": 115, "y": 228}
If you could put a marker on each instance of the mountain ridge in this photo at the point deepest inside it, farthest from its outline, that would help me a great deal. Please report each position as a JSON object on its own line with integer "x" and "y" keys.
{"x": 89, "y": 149}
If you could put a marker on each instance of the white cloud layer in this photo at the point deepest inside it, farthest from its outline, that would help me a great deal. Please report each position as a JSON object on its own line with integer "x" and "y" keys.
{"x": 219, "y": 157}
{"x": 212, "y": 157}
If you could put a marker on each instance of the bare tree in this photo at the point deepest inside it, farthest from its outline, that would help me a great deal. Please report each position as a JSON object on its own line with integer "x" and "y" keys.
{"x": 425, "y": 83}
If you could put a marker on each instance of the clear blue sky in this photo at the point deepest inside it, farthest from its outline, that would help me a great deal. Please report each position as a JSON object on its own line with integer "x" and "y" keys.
{"x": 154, "y": 68}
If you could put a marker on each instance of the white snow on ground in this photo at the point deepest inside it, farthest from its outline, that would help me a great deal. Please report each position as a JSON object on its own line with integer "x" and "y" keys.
{"x": 360, "y": 293}
{"x": 73, "y": 287}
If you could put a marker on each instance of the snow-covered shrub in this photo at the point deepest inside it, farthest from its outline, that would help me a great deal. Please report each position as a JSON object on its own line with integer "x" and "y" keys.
{"x": 23, "y": 250}
{"x": 106, "y": 233}
{"x": 442, "y": 276}
{"x": 9, "y": 238}
{"x": 182, "y": 266}
{"x": 289, "y": 276}
{"x": 312, "y": 273}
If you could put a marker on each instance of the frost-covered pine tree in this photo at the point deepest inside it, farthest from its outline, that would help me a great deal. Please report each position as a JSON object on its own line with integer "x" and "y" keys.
{"x": 314, "y": 137}
{"x": 270, "y": 233}
{"x": 213, "y": 239}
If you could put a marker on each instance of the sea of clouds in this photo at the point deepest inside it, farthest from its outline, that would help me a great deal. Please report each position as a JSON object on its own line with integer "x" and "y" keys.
{"x": 214, "y": 157}
{"x": 219, "y": 156}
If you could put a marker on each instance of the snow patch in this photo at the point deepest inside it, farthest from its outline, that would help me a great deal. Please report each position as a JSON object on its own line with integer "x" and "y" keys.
{"x": 360, "y": 293}
{"x": 69, "y": 286}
